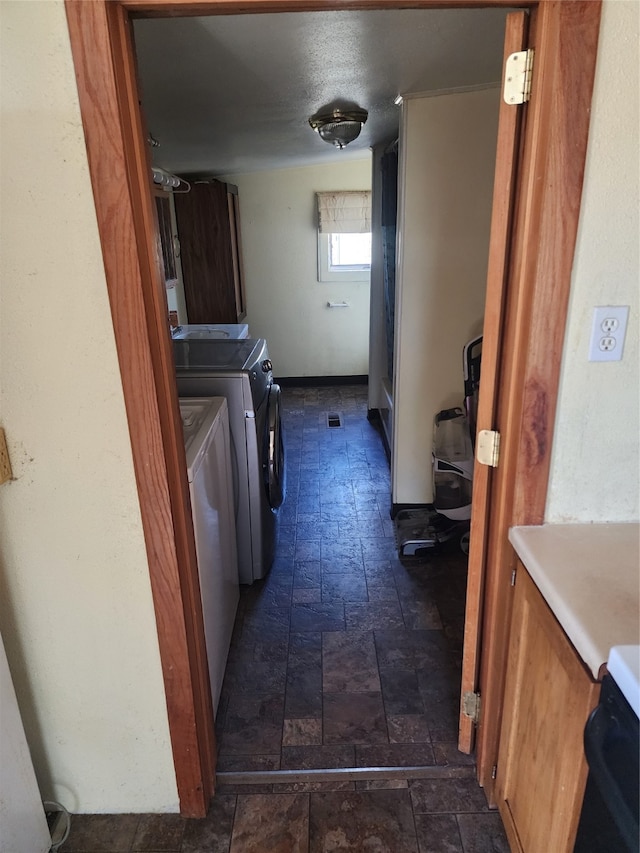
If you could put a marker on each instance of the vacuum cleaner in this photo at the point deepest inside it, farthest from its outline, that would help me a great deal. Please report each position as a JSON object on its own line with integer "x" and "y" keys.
{"x": 452, "y": 460}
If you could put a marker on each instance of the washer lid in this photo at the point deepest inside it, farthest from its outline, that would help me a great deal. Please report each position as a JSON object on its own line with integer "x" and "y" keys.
{"x": 211, "y": 331}
{"x": 226, "y": 354}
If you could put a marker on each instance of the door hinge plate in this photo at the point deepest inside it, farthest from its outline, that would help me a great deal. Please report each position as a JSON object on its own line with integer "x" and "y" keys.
{"x": 517, "y": 77}
{"x": 471, "y": 705}
{"x": 488, "y": 447}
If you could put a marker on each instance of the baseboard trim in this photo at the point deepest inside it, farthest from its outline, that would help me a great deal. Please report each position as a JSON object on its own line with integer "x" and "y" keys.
{"x": 312, "y": 381}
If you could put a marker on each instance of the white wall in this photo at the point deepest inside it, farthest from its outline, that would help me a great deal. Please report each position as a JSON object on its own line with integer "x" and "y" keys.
{"x": 75, "y": 602}
{"x": 595, "y": 465}
{"x": 447, "y": 159}
{"x": 285, "y": 302}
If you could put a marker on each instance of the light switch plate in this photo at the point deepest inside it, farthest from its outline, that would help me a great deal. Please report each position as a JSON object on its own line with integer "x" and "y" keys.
{"x": 608, "y": 332}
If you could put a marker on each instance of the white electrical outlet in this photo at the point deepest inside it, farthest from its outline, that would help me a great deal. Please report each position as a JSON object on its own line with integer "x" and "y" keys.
{"x": 607, "y": 332}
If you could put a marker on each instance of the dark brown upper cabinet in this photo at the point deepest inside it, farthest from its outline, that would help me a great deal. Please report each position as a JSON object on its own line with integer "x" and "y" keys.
{"x": 208, "y": 220}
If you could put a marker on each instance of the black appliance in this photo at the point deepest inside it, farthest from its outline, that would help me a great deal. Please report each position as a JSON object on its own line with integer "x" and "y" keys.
{"x": 609, "y": 816}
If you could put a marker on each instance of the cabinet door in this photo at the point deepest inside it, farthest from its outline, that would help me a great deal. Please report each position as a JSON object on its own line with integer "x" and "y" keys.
{"x": 206, "y": 253}
{"x": 541, "y": 771}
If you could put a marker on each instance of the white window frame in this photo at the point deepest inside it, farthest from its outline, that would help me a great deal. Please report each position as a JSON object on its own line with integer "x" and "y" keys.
{"x": 325, "y": 274}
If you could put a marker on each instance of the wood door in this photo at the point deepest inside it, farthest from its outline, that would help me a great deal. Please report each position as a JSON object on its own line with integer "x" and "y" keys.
{"x": 564, "y": 37}
{"x": 206, "y": 244}
{"x": 541, "y": 771}
{"x": 509, "y": 124}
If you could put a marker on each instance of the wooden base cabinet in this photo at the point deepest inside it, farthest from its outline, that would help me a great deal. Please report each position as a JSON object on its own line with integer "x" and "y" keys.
{"x": 541, "y": 771}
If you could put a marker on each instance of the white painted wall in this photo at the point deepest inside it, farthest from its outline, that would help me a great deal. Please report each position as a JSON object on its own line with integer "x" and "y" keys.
{"x": 76, "y": 611}
{"x": 447, "y": 159}
{"x": 286, "y": 304}
{"x": 595, "y": 464}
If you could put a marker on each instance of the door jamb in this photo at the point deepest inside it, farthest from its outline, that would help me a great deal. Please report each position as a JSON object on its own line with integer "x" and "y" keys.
{"x": 119, "y": 166}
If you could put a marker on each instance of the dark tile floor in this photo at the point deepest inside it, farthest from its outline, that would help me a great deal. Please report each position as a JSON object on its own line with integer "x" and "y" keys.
{"x": 344, "y": 656}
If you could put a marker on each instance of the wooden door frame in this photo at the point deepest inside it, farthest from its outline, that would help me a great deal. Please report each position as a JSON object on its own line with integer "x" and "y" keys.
{"x": 549, "y": 187}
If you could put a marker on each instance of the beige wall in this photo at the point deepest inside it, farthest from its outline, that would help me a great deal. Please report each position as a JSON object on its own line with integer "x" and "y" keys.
{"x": 446, "y": 166}
{"x": 286, "y": 303}
{"x": 76, "y": 612}
{"x": 595, "y": 467}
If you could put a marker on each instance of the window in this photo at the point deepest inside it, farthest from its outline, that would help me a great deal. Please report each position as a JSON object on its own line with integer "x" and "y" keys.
{"x": 344, "y": 236}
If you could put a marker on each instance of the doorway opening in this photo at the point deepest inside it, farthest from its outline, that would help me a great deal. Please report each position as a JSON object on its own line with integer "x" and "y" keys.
{"x": 547, "y": 189}
{"x": 355, "y": 529}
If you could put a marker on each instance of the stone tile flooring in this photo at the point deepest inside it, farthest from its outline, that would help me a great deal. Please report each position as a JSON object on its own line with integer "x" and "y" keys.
{"x": 447, "y": 816}
{"x": 343, "y": 656}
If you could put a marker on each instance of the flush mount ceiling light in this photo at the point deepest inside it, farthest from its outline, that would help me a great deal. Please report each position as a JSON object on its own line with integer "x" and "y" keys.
{"x": 339, "y": 127}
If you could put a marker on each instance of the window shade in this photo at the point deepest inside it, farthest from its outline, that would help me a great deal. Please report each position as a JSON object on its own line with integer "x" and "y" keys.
{"x": 344, "y": 212}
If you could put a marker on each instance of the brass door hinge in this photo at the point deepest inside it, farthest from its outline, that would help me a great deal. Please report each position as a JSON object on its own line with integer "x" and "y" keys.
{"x": 471, "y": 705}
{"x": 517, "y": 77}
{"x": 488, "y": 447}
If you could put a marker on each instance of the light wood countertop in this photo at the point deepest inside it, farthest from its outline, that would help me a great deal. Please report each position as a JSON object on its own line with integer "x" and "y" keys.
{"x": 589, "y": 575}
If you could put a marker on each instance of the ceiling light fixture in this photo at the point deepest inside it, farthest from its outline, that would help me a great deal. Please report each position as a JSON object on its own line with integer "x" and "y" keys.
{"x": 339, "y": 127}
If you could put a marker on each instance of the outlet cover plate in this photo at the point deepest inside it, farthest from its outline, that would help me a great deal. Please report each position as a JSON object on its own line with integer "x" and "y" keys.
{"x": 608, "y": 332}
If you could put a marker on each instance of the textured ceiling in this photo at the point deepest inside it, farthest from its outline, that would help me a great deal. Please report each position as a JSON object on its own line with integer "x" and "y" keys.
{"x": 233, "y": 94}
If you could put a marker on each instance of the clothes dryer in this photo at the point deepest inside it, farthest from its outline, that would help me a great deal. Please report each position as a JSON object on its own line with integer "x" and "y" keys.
{"x": 241, "y": 371}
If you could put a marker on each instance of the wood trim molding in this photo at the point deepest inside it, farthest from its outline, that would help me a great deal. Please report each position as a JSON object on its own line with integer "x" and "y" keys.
{"x": 120, "y": 176}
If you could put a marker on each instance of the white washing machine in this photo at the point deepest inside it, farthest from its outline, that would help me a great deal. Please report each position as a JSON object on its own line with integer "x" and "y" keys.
{"x": 211, "y": 331}
{"x": 205, "y": 423}
{"x": 240, "y": 370}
